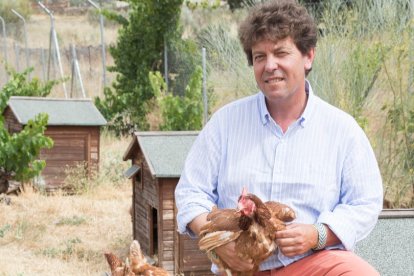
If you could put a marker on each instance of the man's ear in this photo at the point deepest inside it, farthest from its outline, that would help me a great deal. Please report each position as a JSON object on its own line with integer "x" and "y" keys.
{"x": 309, "y": 59}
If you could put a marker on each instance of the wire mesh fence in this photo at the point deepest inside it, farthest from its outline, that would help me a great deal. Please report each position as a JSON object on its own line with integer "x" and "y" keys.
{"x": 45, "y": 67}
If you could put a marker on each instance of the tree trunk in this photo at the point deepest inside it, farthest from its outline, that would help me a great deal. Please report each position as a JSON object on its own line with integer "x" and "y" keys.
{"x": 4, "y": 181}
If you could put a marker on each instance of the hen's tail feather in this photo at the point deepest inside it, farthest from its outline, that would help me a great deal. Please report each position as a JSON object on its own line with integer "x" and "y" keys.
{"x": 218, "y": 238}
{"x": 113, "y": 261}
{"x": 136, "y": 256}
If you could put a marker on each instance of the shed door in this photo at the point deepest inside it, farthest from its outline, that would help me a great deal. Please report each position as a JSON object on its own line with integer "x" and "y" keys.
{"x": 68, "y": 150}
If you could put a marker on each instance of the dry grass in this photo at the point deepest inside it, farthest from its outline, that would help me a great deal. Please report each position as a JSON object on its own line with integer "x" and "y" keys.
{"x": 67, "y": 235}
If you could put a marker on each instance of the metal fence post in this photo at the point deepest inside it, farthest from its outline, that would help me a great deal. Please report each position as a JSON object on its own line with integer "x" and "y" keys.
{"x": 411, "y": 54}
{"x": 166, "y": 65}
{"x": 203, "y": 54}
{"x": 53, "y": 39}
{"x": 101, "y": 23}
{"x": 4, "y": 39}
{"x": 25, "y": 38}
{"x": 76, "y": 72}
{"x": 17, "y": 55}
{"x": 42, "y": 60}
{"x": 4, "y": 44}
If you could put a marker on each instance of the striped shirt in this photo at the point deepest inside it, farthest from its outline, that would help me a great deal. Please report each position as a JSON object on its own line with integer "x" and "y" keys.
{"x": 323, "y": 167}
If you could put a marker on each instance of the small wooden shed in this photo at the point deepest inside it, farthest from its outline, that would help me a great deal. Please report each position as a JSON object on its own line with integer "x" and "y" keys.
{"x": 157, "y": 161}
{"x": 74, "y": 125}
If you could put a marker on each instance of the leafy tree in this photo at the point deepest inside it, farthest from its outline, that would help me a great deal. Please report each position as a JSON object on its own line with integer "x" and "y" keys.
{"x": 180, "y": 112}
{"x": 18, "y": 85}
{"x": 19, "y": 151}
{"x": 139, "y": 50}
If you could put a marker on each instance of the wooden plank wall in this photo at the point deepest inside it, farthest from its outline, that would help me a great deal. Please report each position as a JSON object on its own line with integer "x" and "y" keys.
{"x": 177, "y": 254}
{"x": 145, "y": 196}
{"x": 168, "y": 225}
{"x": 72, "y": 145}
{"x": 192, "y": 260}
{"x": 11, "y": 123}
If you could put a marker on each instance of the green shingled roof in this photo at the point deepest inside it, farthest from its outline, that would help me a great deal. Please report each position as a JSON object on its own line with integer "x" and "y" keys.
{"x": 390, "y": 246}
{"x": 70, "y": 112}
{"x": 165, "y": 152}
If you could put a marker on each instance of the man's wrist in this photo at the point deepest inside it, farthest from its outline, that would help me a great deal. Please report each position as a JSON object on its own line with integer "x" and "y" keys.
{"x": 322, "y": 236}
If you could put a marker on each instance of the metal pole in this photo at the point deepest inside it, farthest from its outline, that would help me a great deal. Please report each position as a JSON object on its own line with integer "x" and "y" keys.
{"x": 166, "y": 63}
{"x": 203, "y": 54}
{"x": 411, "y": 55}
{"x": 5, "y": 44}
{"x": 49, "y": 58}
{"x": 17, "y": 54}
{"x": 42, "y": 58}
{"x": 25, "y": 38}
{"x": 53, "y": 37}
{"x": 4, "y": 39}
{"x": 59, "y": 61}
{"x": 76, "y": 70}
{"x": 101, "y": 23}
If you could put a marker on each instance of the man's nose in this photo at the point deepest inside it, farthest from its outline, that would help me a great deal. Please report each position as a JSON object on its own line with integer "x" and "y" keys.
{"x": 271, "y": 64}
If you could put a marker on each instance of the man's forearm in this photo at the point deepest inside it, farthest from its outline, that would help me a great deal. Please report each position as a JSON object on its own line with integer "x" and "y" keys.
{"x": 198, "y": 222}
{"x": 331, "y": 238}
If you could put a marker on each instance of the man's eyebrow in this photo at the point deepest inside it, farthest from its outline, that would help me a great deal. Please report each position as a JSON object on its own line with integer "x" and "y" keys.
{"x": 257, "y": 52}
{"x": 281, "y": 47}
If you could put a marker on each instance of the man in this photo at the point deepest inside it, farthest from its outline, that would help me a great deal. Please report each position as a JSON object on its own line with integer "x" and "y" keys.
{"x": 286, "y": 144}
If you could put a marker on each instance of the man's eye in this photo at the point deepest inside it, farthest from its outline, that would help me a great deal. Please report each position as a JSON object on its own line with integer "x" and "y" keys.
{"x": 258, "y": 58}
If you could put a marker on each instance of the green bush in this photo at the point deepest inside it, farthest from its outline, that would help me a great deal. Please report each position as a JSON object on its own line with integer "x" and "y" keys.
{"x": 19, "y": 151}
{"x": 180, "y": 112}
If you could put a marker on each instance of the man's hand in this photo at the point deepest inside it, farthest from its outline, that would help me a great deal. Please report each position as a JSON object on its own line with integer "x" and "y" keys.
{"x": 297, "y": 239}
{"x": 228, "y": 254}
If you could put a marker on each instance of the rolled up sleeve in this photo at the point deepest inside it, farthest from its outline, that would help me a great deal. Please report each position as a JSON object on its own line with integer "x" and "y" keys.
{"x": 356, "y": 214}
{"x": 196, "y": 191}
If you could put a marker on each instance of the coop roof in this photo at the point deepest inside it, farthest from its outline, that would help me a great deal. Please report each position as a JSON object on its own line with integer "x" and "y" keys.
{"x": 164, "y": 151}
{"x": 390, "y": 245}
{"x": 69, "y": 112}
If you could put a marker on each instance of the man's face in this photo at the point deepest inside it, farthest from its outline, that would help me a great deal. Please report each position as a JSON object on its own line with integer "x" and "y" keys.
{"x": 279, "y": 69}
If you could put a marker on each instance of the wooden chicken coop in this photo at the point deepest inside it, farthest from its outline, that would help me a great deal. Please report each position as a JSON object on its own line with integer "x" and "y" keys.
{"x": 74, "y": 126}
{"x": 157, "y": 159}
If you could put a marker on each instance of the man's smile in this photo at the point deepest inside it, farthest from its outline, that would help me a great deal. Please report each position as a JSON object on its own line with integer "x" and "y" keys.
{"x": 273, "y": 80}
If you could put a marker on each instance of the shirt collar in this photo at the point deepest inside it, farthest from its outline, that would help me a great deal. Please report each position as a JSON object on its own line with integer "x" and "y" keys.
{"x": 310, "y": 105}
{"x": 264, "y": 113}
{"x": 265, "y": 116}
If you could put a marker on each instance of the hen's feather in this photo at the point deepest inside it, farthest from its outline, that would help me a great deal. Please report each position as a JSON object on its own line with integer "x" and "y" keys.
{"x": 253, "y": 231}
{"x": 115, "y": 264}
{"x": 136, "y": 257}
{"x": 222, "y": 220}
{"x": 139, "y": 265}
{"x": 149, "y": 270}
{"x": 216, "y": 239}
{"x": 280, "y": 211}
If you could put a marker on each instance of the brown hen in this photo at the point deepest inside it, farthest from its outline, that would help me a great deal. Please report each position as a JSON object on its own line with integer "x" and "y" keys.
{"x": 136, "y": 264}
{"x": 252, "y": 226}
{"x": 139, "y": 263}
{"x": 118, "y": 268}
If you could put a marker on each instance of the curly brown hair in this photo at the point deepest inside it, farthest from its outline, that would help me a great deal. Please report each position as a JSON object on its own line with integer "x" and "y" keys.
{"x": 275, "y": 20}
